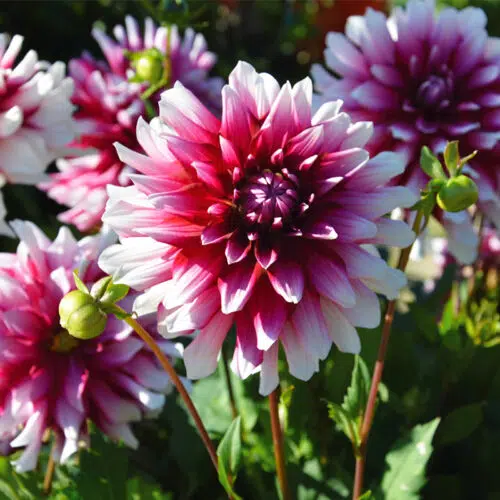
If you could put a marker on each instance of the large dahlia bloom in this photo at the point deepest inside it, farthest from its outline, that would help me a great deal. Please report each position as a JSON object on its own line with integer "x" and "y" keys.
{"x": 423, "y": 79}
{"x": 50, "y": 380}
{"x": 35, "y": 113}
{"x": 109, "y": 105}
{"x": 261, "y": 220}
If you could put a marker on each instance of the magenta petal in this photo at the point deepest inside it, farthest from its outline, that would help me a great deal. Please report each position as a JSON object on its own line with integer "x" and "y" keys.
{"x": 287, "y": 279}
{"x": 237, "y": 284}
{"x": 301, "y": 362}
{"x": 310, "y": 325}
{"x": 201, "y": 355}
{"x": 247, "y": 357}
{"x": 330, "y": 280}
{"x": 265, "y": 254}
{"x": 215, "y": 233}
{"x": 269, "y": 313}
{"x": 269, "y": 379}
{"x": 237, "y": 247}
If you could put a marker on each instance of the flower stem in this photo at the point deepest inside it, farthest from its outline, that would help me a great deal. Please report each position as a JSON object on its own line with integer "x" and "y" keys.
{"x": 49, "y": 474}
{"x": 227, "y": 376}
{"x": 369, "y": 412}
{"x": 279, "y": 451}
{"x": 165, "y": 363}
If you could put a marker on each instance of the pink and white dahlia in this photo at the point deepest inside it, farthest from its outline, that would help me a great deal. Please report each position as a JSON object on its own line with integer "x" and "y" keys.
{"x": 109, "y": 104}
{"x": 189, "y": 61}
{"x": 35, "y": 113}
{"x": 423, "y": 79}
{"x": 50, "y": 380}
{"x": 265, "y": 219}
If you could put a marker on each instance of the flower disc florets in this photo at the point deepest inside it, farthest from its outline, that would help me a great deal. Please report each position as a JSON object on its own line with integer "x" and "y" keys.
{"x": 265, "y": 218}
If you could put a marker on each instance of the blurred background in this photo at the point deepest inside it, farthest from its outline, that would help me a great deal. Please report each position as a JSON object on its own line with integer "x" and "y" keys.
{"x": 430, "y": 371}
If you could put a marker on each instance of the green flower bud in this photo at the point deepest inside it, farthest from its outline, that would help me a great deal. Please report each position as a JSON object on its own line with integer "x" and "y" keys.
{"x": 458, "y": 193}
{"x": 148, "y": 65}
{"x": 80, "y": 315}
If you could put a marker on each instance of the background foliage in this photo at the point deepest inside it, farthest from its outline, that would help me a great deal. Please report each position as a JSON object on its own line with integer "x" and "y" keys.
{"x": 437, "y": 429}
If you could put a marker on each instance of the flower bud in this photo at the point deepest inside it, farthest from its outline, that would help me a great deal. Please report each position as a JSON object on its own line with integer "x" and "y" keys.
{"x": 458, "y": 193}
{"x": 148, "y": 65}
{"x": 81, "y": 316}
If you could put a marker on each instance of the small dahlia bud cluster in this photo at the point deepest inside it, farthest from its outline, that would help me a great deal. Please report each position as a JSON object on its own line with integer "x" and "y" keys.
{"x": 453, "y": 191}
{"x": 84, "y": 313}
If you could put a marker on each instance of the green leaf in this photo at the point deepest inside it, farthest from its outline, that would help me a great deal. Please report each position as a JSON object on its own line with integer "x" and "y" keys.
{"x": 115, "y": 293}
{"x": 349, "y": 415}
{"x": 357, "y": 393}
{"x": 229, "y": 454}
{"x": 367, "y": 495}
{"x": 103, "y": 470}
{"x": 79, "y": 283}
{"x": 14, "y": 486}
{"x": 407, "y": 460}
{"x": 460, "y": 423}
{"x": 431, "y": 165}
{"x": 344, "y": 421}
{"x": 451, "y": 157}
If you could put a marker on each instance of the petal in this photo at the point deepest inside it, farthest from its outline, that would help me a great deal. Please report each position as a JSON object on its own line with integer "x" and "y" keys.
{"x": 237, "y": 284}
{"x": 201, "y": 355}
{"x": 341, "y": 331}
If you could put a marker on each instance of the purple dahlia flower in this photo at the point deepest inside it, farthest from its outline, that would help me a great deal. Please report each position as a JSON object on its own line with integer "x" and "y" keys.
{"x": 423, "y": 79}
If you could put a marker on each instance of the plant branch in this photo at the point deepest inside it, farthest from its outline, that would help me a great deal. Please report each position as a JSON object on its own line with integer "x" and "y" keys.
{"x": 378, "y": 371}
{"x": 167, "y": 366}
{"x": 49, "y": 473}
{"x": 278, "y": 445}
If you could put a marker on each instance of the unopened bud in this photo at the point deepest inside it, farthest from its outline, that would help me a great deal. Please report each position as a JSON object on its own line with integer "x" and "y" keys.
{"x": 81, "y": 316}
{"x": 457, "y": 194}
{"x": 148, "y": 65}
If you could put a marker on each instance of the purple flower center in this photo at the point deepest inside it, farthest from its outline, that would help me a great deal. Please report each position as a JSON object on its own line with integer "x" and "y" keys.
{"x": 268, "y": 198}
{"x": 435, "y": 93}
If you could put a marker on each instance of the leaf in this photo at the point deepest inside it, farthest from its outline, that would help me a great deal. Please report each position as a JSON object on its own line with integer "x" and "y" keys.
{"x": 103, "y": 470}
{"x": 114, "y": 293}
{"x": 426, "y": 203}
{"x": 229, "y": 454}
{"x": 451, "y": 157}
{"x": 460, "y": 423}
{"x": 344, "y": 421}
{"x": 14, "y": 486}
{"x": 431, "y": 165}
{"x": 79, "y": 283}
{"x": 357, "y": 393}
{"x": 120, "y": 314}
{"x": 349, "y": 415}
{"x": 367, "y": 495}
{"x": 407, "y": 460}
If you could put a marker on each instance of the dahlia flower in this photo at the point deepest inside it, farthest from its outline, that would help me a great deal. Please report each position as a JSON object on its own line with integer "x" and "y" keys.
{"x": 265, "y": 219}
{"x": 35, "y": 112}
{"x": 109, "y": 104}
{"x": 423, "y": 79}
{"x": 52, "y": 381}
